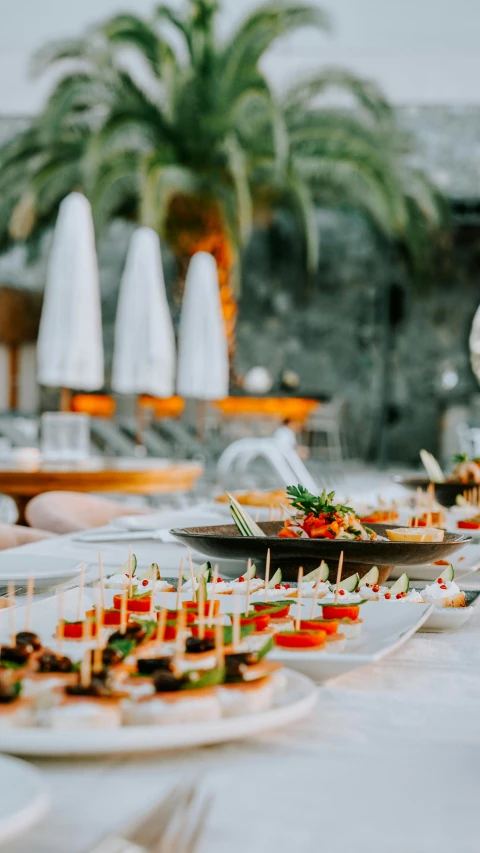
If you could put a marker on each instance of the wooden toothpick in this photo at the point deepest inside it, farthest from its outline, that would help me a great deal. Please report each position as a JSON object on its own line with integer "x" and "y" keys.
{"x": 339, "y": 576}
{"x": 98, "y": 652}
{"x": 161, "y": 625}
{"x": 102, "y": 579}
{"x": 61, "y": 622}
{"x": 236, "y": 634}
{"x": 179, "y": 585}
{"x": 247, "y": 597}
{"x": 299, "y": 598}
{"x": 123, "y": 611}
{"x": 219, "y": 642}
{"x": 317, "y": 590}
{"x": 80, "y": 592}
{"x": 211, "y": 604}
{"x": 86, "y": 669}
{"x": 154, "y": 587}
{"x": 130, "y": 575}
{"x": 180, "y": 639}
{"x": 201, "y": 609}
{"x": 267, "y": 574}
{"x": 192, "y": 576}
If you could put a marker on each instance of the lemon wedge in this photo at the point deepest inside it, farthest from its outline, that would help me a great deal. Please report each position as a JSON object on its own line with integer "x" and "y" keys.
{"x": 415, "y": 534}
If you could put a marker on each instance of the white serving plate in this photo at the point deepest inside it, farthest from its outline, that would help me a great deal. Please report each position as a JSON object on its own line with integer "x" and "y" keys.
{"x": 464, "y": 562}
{"x": 46, "y": 571}
{"x": 24, "y": 797}
{"x": 386, "y": 626}
{"x": 297, "y": 700}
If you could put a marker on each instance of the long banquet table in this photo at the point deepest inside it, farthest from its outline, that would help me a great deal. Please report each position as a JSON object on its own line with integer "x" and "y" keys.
{"x": 388, "y": 761}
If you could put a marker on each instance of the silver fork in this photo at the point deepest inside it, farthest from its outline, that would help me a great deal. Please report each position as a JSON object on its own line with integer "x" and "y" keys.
{"x": 174, "y": 825}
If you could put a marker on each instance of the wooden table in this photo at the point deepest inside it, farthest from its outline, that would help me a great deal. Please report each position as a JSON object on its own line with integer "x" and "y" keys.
{"x": 22, "y": 481}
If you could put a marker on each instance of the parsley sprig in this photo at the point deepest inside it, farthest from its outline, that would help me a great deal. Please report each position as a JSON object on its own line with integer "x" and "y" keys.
{"x": 302, "y": 499}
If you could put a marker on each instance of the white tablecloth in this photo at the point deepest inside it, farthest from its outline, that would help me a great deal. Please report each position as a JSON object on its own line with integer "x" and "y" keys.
{"x": 388, "y": 762}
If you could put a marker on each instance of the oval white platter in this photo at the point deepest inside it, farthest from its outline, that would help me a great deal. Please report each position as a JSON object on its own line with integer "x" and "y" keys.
{"x": 24, "y": 797}
{"x": 295, "y": 702}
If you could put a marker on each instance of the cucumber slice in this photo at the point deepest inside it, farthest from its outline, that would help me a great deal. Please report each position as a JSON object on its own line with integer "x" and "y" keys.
{"x": 448, "y": 574}
{"x": 242, "y": 529}
{"x": 245, "y": 523}
{"x": 124, "y": 568}
{"x": 350, "y": 584}
{"x": 277, "y": 578}
{"x": 204, "y": 569}
{"x": 371, "y": 577}
{"x": 322, "y": 570}
{"x": 198, "y": 571}
{"x": 400, "y": 585}
{"x": 202, "y": 581}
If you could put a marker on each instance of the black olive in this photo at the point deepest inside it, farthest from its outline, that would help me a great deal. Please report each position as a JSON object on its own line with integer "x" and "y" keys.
{"x": 15, "y": 654}
{"x": 111, "y": 656}
{"x": 134, "y": 631}
{"x": 235, "y": 664}
{"x": 9, "y": 690}
{"x": 51, "y": 662}
{"x": 195, "y": 645}
{"x": 30, "y": 639}
{"x": 166, "y": 682}
{"x": 148, "y": 666}
{"x": 99, "y": 687}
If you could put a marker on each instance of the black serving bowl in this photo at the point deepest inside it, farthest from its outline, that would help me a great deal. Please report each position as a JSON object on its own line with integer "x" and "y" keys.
{"x": 445, "y": 493}
{"x": 224, "y": 542}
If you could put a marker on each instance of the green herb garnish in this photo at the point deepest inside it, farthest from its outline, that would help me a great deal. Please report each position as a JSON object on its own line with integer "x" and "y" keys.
{"x": 302, "y": 499}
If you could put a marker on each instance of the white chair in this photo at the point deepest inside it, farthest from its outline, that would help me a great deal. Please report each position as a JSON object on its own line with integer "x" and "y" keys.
{"x": 285, "y": 462}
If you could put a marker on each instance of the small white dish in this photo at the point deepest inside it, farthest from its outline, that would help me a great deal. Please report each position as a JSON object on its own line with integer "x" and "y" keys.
{"x": 386, "y": 626}
{"x": 46, "y": 571}
{"x": 451, "y": 618}
{"x": 24, "y": 799}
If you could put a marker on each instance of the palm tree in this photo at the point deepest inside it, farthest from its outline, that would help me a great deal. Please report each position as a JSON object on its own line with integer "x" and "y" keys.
{"x": 190, "y": 139}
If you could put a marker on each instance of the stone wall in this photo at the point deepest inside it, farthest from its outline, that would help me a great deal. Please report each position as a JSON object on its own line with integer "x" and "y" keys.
{"x": 332, "y": 331}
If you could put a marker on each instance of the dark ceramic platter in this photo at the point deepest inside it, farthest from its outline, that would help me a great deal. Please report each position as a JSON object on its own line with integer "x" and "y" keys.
{"x": 224, "y": 542}
{"x": 445, "y": 493}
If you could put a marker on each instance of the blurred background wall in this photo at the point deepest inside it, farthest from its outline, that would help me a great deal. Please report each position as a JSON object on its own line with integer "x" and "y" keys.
{"x": 337, "y": 333}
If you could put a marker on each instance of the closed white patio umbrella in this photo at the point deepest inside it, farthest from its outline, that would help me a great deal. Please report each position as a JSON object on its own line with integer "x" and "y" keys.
{"x": 202, "y": 343}
{"x": 144, "y": 350}
{"x": 70, "y": 343}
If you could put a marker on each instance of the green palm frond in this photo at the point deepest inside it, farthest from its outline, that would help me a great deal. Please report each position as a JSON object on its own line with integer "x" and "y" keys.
{"x": 161, "y": 183}
{"x": 365, "y": 93}
{"x": 203, "y": 121}
{"x": 258, "y": 32}
{"x": 238, "y": 168}
{"x": 306, "y": 212}
{"x": 129, "y": 30}
{"x": 57, "y": 51}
